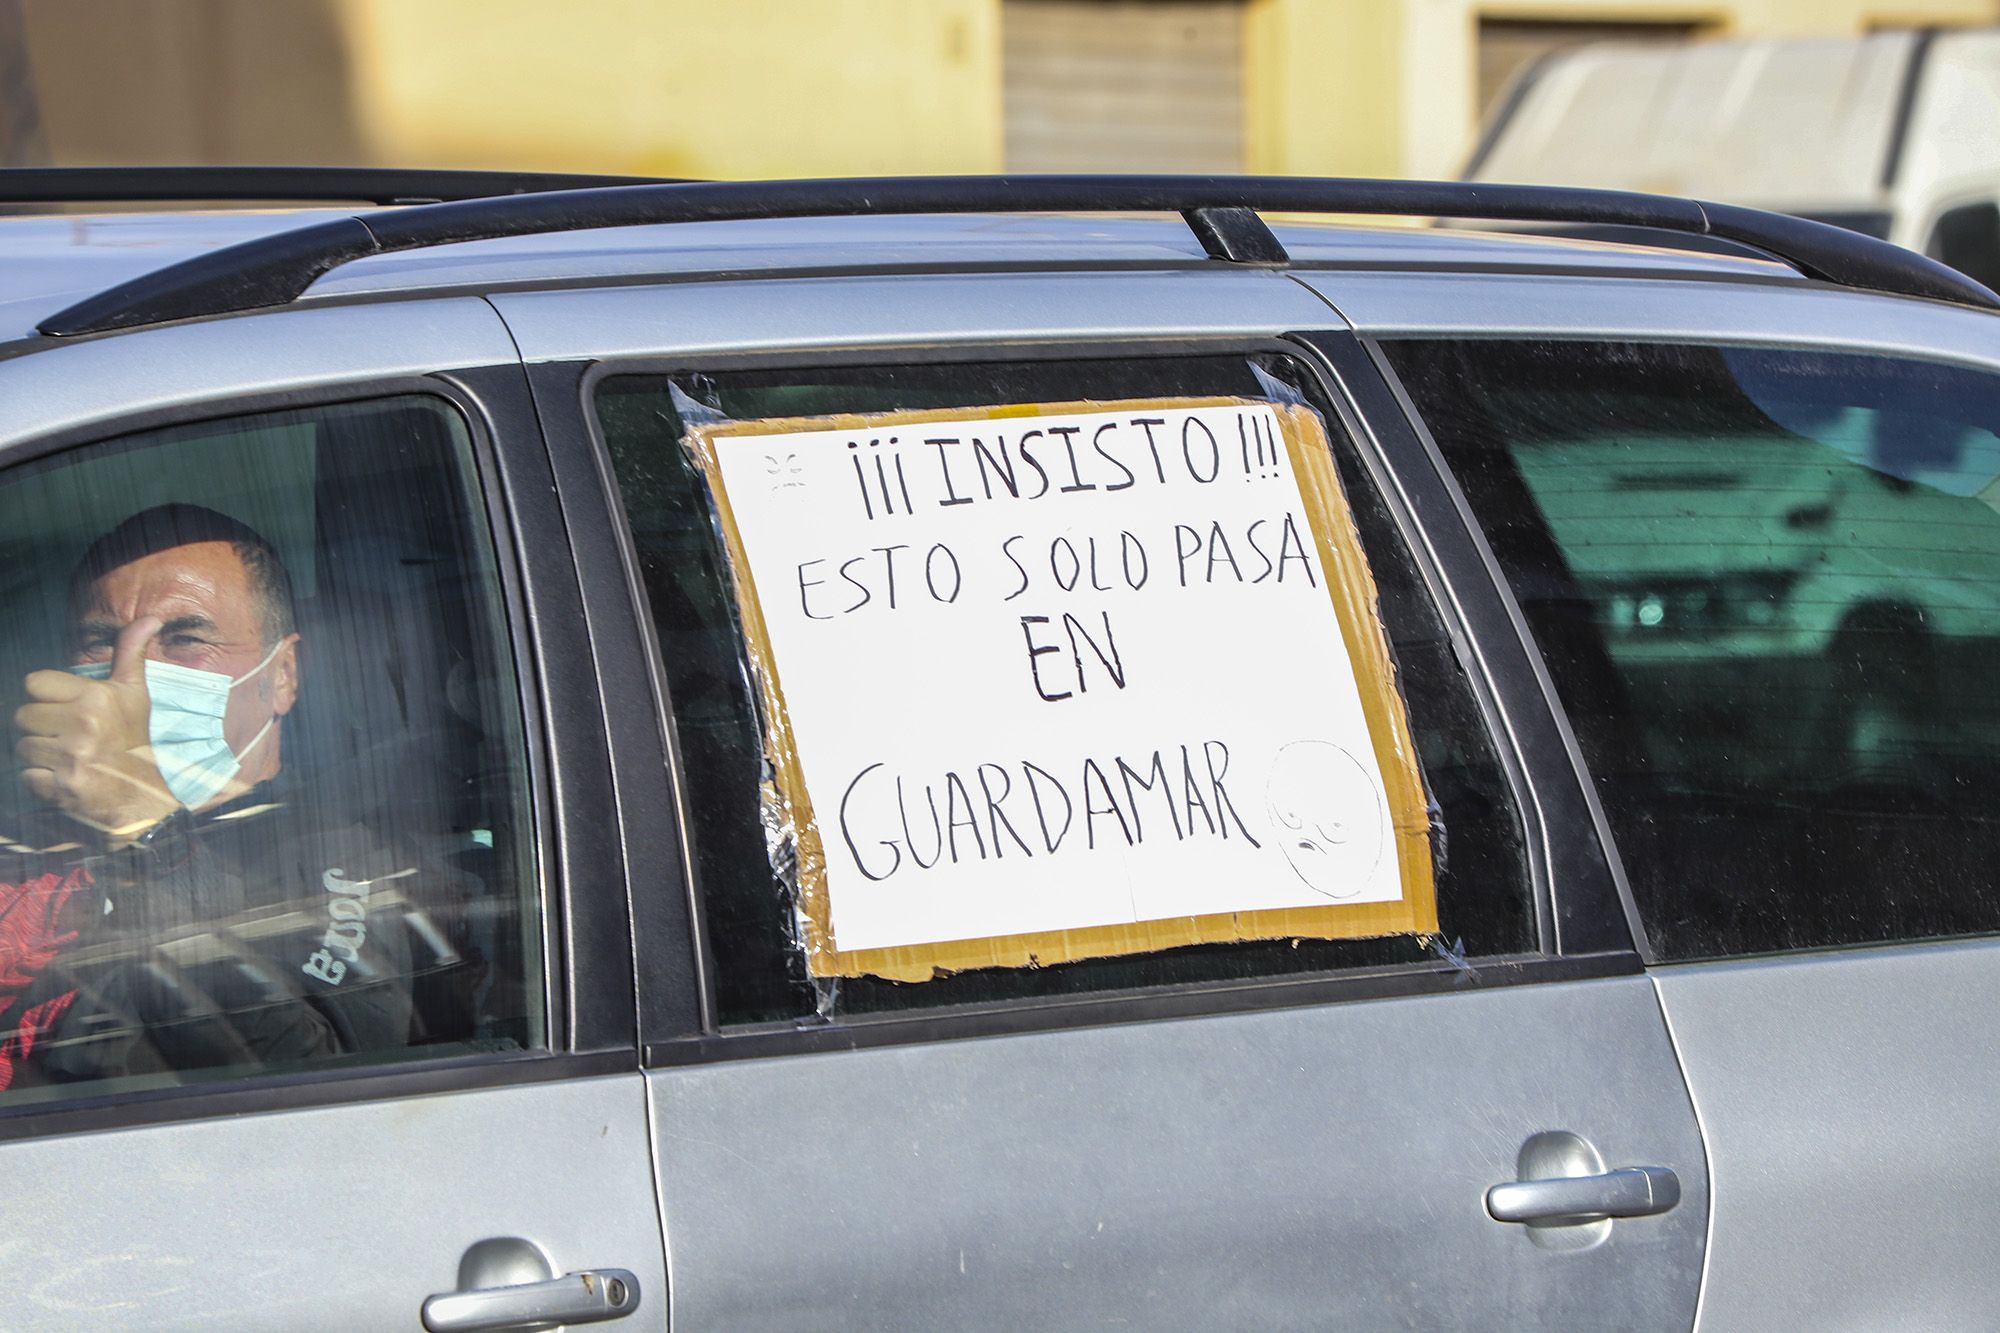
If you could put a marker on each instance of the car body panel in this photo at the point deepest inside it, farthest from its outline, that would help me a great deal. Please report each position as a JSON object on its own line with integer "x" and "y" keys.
{"x": 1317, "y": 1167}
{"x": 334, "y": 1216}
{"x": 884, "y": 311}
{"x": 1847, "y": 1103}
{"x": 56, "y": 259}
{"x": 65, "y": 386}
{"x": 1657, "y": 310}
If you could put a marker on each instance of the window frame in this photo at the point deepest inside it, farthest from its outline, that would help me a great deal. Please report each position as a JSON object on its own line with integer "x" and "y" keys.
{"x": 504, "y": 441}
{"x": 567, "y": 392}
{"x": 1513, "y": 630}
{"x": 1598, "y": 912}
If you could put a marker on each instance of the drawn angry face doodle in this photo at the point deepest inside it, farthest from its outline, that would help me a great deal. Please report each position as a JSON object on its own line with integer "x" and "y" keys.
{"x": 784, "y": 471}
{"x": 1328, "y": 815}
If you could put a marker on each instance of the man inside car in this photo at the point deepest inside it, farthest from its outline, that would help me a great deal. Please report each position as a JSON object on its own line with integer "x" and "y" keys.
{"x": 189, "y": 898}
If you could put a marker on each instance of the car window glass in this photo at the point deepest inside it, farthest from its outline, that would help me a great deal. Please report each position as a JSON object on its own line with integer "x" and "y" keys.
{"x": 750, "y": 909}
{"x": 270, "y": 810}
{"x": 1764, "y": 584}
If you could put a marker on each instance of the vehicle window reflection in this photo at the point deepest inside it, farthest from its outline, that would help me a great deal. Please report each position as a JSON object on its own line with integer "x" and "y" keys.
{"x": 1764, "y": 582}
{"x": 270, "y": 807}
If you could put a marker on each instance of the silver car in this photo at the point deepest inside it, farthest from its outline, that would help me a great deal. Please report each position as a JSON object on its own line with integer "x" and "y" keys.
{"x": 976, "y": 753}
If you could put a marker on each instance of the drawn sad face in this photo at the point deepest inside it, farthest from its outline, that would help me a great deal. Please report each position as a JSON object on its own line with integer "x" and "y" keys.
{"x": 1327, "y": 814}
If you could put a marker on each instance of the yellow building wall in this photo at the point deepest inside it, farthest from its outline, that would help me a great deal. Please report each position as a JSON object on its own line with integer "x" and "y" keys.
{"x": 699, "y": 88}
{"x": 711, "y": 88}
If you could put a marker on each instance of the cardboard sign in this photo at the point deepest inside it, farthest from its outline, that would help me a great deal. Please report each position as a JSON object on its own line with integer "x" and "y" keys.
{"x": 1058, "y": 681}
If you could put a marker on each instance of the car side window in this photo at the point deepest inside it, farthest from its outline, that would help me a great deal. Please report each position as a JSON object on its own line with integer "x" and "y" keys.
{"x": 748, "y": 858}
{"x": 271, "y": 807}
{"x": 1764, "y": 583}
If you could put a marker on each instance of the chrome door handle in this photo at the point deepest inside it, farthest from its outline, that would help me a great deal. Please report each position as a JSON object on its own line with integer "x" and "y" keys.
{"x": 576, "y": 1298}
{"x": 1633, "y": 1191}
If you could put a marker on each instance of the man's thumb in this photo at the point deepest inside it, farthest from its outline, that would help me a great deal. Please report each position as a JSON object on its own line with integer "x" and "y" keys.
{"x": 128, "y": 658}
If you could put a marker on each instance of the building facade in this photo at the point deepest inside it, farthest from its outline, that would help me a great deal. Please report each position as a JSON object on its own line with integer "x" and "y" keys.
{"x": 819, "y": 87}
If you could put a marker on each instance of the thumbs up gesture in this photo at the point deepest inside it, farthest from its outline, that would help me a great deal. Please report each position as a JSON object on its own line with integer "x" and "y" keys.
{"x": 86, "y": 745}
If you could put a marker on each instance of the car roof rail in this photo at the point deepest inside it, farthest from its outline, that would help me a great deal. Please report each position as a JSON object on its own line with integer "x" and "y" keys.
{"x": 1222, "y": 211}
{"x": 341, "y": 185}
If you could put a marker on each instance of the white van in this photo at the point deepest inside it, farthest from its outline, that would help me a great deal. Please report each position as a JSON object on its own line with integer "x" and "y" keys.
{"x": 1896, "y": 134}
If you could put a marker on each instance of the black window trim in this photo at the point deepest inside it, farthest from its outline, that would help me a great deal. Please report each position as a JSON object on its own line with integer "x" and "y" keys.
{"x": 1530, "y": 652}
{"x": 709, "y": 1042}
{"x": 592, "y": 973}
{"x": 670, "y": 956}
{"x": 1593, "y": 904}
{"x": 573, "y": 1048}
{"x": 1328, "y": 354}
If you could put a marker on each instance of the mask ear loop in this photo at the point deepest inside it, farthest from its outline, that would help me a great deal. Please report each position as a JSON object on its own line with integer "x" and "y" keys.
{"x": 270, "y": 721}
{"x": 268, "y": 659}
{"x": 256, "y": 740}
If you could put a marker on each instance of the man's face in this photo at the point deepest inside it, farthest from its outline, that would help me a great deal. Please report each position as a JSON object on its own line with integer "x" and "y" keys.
{"x": 209, "y": 620}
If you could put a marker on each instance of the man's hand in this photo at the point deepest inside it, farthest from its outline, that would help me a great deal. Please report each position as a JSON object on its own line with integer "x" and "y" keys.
{"x": 86, "y": 745}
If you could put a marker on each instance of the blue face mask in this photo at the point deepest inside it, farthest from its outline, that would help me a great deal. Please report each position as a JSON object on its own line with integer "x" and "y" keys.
{"x": 186, "y": 725}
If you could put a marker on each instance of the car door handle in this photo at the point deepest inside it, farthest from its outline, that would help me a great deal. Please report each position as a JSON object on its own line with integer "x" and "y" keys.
{"x": 1632, "y": 1191}
{"x": 576, "y": 1298}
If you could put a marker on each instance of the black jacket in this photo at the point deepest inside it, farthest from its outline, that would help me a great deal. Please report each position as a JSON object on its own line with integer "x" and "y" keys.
{"x": 263, "y": 933}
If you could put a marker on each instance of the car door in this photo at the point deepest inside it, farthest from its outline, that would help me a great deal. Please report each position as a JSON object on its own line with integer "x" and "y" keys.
{"x": 1753, "y": 537}
{"x": 1287, "y": 1132}
{"x": 479, "y": 1121}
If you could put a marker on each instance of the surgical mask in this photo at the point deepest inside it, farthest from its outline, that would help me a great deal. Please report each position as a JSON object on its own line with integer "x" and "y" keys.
{"x": 186, "y": 725}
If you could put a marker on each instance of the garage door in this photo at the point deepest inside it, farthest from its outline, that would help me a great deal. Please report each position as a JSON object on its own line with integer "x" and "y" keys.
{"x": 1124, "y": 85}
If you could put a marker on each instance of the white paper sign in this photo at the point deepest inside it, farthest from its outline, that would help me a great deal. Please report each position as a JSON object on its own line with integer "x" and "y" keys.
{"x": 1053, "y": 672}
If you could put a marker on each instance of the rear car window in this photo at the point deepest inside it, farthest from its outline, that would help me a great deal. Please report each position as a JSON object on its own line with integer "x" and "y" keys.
{"x": 271, "y": 811}
{"x": 1061, "y": 601}
{"x": 1766, "y": 584}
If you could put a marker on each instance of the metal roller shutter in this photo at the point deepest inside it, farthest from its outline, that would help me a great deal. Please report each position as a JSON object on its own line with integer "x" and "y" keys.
{"x": 1124, "y": 85}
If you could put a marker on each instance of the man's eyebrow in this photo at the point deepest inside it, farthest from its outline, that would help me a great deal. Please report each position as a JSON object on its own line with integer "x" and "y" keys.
{"x": 96, "y": 627}
{"x": 102, "y": 626}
